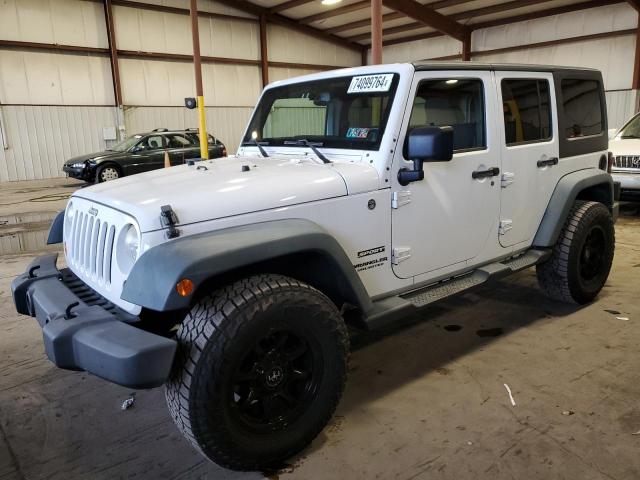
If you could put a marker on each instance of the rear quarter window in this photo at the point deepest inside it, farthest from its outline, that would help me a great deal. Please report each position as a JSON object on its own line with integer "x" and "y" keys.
{"x": 582, "y": 108}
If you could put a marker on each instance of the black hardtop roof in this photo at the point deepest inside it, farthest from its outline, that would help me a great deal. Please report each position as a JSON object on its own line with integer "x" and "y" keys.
{"x": 422, "y": 65}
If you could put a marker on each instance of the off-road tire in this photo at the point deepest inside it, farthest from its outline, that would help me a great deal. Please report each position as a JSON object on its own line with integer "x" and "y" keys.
{"x": 217, "y": 333}
{"x": 102, "y": 170}
{"x": 560, "y": 277}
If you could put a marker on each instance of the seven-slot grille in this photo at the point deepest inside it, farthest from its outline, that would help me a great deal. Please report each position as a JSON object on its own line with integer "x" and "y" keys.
{"x": 90, "y": 246}
{"x": 627, "y": 161}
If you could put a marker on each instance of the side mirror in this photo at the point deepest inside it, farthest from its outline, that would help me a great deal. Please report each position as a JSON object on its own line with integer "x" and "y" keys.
{"x": 426, "y": 144}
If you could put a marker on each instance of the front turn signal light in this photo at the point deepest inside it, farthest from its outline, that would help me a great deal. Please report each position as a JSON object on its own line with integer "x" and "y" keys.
{"x": 184, "y": 287}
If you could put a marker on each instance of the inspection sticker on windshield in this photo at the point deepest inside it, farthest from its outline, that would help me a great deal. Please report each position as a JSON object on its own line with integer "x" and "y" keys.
{"x": 358, "y": 132}
{"x": 371, "y": 83}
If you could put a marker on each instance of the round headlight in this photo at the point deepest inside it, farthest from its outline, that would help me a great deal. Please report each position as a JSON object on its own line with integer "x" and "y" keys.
{"x": 128, "y": 248}
{"x": 132, "y": 242}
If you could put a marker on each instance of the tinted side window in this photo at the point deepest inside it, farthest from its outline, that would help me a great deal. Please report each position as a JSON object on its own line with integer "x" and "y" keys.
{"x": 153, "y": 142}
{"x": 458, "y": 103}
{"x": 179, "y": 141}
{"x": 582, "y": 108}
{"x": 525, "y": 105}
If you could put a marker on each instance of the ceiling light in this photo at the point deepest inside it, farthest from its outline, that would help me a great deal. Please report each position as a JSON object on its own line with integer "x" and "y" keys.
{"x": 330, "y": 2}
{"x": 451, "y": 82}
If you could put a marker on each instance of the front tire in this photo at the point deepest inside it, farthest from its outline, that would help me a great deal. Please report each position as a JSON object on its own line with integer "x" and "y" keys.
{"x": 260, "y": 368}
{"x": 582, "y": 257}
{"x": 108, "y": 172}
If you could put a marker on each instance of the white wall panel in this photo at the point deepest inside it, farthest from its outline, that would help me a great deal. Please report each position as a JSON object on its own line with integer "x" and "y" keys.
{"x": 54, "y": 78}
{"x": 165, "y": 83}
{"x": 287, "y": 45}
{"x": 620, "y": 107}
{"x": 279, "y": 73}
{"x": 41, "y": 138}
{"x": 613, "y": 56}
{"x": 420, "y": 49}
{"x": 67, "y": 22}
{"x": 225, "y": 123}
{"x": 583, "y": 22}
{"x": 203, "y": 5}
{"x": 148, "y": 31}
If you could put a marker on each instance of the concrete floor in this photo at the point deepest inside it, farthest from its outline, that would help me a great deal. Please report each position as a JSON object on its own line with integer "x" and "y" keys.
{"x": 425, "y": 400}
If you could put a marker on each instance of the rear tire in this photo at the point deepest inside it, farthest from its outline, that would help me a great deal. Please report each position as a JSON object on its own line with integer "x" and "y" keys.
{"x": 582, "y": 257}
{"x": 260, "y": 368}
{"x": 108, "y": 172}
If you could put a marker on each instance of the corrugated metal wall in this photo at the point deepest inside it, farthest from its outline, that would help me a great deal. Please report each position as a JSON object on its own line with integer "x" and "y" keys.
{"x": 39, "y": 139}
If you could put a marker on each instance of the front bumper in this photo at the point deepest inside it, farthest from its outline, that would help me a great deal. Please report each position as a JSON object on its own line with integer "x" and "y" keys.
{"x": 628, "y": 180}
{"x": 83, "y": 331}
{"x": 79, "y": 173}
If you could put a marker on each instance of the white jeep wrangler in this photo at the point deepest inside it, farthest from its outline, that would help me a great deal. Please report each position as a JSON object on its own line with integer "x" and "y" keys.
{"x": 356, "y": 196}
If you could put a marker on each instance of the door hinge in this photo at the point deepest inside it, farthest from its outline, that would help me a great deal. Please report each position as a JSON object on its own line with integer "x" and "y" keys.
{"x": 398, "y": 199}
{"x": 505, "y": 226}
{"x": 507, "y": 179}
{"x": 400, "y": 254}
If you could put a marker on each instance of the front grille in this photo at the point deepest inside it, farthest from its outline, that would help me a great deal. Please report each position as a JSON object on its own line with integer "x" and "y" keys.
{"x": 90, "y": 246}
{"x": 627, "y": 161}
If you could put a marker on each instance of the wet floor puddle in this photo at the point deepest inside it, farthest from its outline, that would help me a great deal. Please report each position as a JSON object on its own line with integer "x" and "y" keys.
{"x": 483, "y": 332}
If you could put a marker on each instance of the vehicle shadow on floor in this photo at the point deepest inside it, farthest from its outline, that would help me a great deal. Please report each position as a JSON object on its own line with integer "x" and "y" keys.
{"x": 434, "y": 336}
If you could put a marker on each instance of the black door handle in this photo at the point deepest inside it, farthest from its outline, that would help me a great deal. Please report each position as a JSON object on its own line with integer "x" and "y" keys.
{"x": 492, "y": 172}
{"x": 548, "y": 163}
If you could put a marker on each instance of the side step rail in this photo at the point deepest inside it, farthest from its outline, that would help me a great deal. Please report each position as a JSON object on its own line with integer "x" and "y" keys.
{"x": 391, "y": 308}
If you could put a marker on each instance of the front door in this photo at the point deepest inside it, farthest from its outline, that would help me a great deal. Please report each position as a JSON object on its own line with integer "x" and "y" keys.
{"x": 529, "y": 147}
{"x": 451, "y": 216}
{"x": 148, "y": 155}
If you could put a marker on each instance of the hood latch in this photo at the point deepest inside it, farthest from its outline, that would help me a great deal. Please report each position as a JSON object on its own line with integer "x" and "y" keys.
{"x": 169, "y": 220}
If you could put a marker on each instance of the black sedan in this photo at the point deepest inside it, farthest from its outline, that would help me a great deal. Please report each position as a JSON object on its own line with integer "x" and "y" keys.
{"x": 141, "y": 153}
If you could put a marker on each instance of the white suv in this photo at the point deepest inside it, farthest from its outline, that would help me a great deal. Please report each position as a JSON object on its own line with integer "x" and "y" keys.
{"x": 356, "y": 196}
{"x": 625, "y": 147}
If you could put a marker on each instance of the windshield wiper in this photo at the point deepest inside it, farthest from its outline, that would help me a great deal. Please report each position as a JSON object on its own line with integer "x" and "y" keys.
{"x": 258, "y": 144}
{"x": 629, "y": 136}
{"x": 303, "y": 142}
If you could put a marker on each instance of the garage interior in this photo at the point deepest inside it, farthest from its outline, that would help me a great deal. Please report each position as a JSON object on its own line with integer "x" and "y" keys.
{"x": 497, "y": 383}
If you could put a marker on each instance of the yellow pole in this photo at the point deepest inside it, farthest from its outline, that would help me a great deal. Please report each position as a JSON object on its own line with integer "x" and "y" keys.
{"x": 204, "y": 144}
{"x": 204, "y": 141}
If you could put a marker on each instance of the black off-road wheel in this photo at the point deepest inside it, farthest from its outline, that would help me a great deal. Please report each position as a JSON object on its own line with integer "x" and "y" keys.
{"x": 107, "y": 172}
{"x": 260, "y": 368}
{"x": 582, "y": 256}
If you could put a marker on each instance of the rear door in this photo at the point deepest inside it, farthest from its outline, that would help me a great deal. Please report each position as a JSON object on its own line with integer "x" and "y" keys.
{"x": 529, "y": 144}
{"x": 180, "y": 148}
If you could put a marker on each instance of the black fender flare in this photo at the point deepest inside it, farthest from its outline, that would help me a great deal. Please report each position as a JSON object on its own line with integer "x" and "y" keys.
{"x": 201, "y": 257}
{"x": 56, "y": 229}
{"x": 588, "y": 184}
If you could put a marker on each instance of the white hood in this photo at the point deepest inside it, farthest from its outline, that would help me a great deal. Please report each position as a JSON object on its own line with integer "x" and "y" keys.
{"x": 626, "y": 146}
{"x": 223, "y": 189}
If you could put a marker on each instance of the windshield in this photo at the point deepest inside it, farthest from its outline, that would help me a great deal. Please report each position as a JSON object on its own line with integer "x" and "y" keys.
{"x": 345, "y": 112}
{"x": 126, "y": 144}
{"x": 631, "y": 129}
